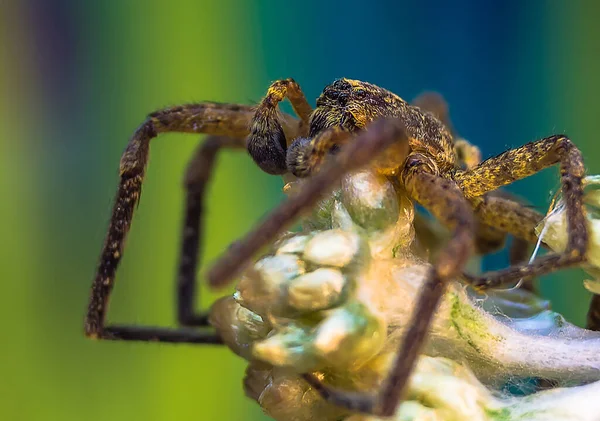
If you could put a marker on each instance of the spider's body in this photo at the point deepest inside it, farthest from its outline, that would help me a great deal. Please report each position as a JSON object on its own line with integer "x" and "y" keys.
{"x": 364, "y": 125}
{"x": 353, "y": 104}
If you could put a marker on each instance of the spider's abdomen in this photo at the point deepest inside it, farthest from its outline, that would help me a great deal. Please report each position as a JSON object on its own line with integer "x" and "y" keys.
{"x": 353, "y": 104}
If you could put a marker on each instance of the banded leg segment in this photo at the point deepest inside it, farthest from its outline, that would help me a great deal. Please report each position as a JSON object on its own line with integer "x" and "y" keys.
{"x": 505, "y": 204}
{"x": 508, "y": 216}
{"x": 498, "y": 215}
{"x": 230, "y": 120}
{"x": 521, "y": 221}
{"x": 519, "y": 163}
{"x": 267, "y": 143}
{"x": 445, "y": 201}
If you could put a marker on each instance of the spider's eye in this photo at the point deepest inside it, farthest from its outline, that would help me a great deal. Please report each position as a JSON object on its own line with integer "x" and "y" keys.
{"x": 360, "y": 93}
{"x": 341, "y": 85}
{"x": 340, "y": 97}
{"x": 333, "y": 94}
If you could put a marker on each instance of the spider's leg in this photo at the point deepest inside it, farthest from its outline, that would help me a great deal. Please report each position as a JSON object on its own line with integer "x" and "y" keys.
{"x": 487, "y": 238}
{"x": 363, "y": 149}
{"x": 305, "y": 155}
{"x": 593, "y": 316}
{"x": 520, "y": 252}
{"x": 211, "y": 118}
{"x": 267, "y": 143}
{"x": 115, "y": 332}
{"x": 520, "y": 221}
{"x": 501, "y": 214}
{"x": 521, "y": 248}
{"x": 520, "y": 163}
{"x": 197, "y": 177}
{"x": 508, "y": 216}
{"x": 445, "y": 201}
{"x": 429, "y": 238}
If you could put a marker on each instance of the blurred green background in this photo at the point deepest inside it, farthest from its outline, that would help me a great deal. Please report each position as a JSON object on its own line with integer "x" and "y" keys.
{"x": 78, "y": 77}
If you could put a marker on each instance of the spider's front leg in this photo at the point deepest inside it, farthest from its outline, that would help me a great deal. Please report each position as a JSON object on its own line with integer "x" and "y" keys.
{"x": 211, "y": 118}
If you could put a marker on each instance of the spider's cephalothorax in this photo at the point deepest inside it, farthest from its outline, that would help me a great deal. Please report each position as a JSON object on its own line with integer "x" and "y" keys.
{"x": 355, "y": 124}
{"x": 353, "y": 104}
{"x": 347, "y": 106}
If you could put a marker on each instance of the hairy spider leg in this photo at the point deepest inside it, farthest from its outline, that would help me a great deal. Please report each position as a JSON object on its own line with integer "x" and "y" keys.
{"x": 197, "y": 177}
{"x": 487, "y": 238}
{"x": 508, "y": 216}
{"x": 211, "y": 118}
{"x": 519, "y": 163}
{"x": 504, "y": 215}
{"x": 521, "y": 247}
{"x": 520, "y": 221}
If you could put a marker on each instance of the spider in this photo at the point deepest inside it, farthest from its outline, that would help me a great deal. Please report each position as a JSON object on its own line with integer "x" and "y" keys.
{"x": 354, "y": 124}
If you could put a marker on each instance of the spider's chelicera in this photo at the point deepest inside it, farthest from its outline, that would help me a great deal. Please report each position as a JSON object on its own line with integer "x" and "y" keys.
{"x": 364, "y": 125}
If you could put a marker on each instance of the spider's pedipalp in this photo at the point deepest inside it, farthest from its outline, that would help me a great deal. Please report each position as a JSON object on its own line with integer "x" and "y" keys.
{"x": 267, "y": 143}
